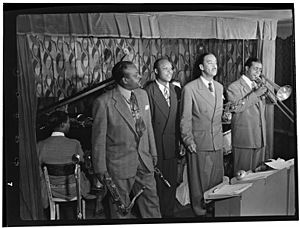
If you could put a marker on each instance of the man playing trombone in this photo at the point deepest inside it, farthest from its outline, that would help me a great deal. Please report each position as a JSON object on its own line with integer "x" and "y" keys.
{"x": 248, "y": 124}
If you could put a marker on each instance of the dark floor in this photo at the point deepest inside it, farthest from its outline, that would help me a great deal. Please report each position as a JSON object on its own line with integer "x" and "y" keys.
{"x": 68, "y": 211}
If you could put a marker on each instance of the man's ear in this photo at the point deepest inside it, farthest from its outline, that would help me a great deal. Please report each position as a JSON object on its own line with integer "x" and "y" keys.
{"x": 62, "y": 125}
{"x": 201, "y": 67}
{"x": 124, "y": 80}
{"x": 246, "y": 68}
{"x": 155, "y": 71}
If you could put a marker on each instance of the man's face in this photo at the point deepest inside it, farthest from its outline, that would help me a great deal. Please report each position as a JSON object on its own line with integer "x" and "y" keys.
{"x": 132, "y": 79}
{"x": 164, "y": 71}
{"x": 254, "y": 71}
{"x": 209, "y": 67}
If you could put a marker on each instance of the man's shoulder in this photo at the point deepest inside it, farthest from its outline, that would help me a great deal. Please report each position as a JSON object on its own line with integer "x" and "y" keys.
{"x": 235, "y": 83}
{"x": 149, "y": 85}
{"x": 191, "y": 84}
{"x": 105, "y": 96}
{"x": 140, "y": 92}
{"x": 218, "y": 84}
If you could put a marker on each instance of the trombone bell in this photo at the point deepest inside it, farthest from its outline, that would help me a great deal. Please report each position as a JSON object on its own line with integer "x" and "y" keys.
{"x": 284, "y": 92}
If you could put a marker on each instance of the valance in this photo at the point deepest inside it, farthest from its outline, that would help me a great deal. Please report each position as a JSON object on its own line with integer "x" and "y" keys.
{"x": 93, "y": 24}
{"x": 148, "y": 26}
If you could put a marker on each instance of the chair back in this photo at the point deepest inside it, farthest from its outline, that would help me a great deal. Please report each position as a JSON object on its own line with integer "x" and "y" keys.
{"x": 63, "y": 170}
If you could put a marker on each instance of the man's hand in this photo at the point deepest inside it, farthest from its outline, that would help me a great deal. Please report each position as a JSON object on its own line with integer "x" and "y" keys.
{"x": 181, "y": 150}
{"x": 101, "y": 176}
{"x": 261, "y": 91}
{"x": 154, "y": 160}
{"x": 192, "y": 148}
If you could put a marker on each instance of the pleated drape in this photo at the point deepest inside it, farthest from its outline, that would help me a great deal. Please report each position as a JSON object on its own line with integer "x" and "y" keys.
{"x": 30, "y": 195}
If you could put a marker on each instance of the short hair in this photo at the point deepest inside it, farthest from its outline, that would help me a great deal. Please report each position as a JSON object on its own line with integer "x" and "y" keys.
{"x": 201, "y": 57}
{"x": 156, "y": 63}
{"x": 199, "y": 60}
{"x": 56, "y": 118}
{"x": 250, "y": 60}
{"x": 118, "y": 71}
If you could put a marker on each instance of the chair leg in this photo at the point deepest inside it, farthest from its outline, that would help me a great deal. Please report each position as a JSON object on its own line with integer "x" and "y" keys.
{"x": 83, "y": 208}
{"x": 57, "y": 211}
{"x": 52, "y": 211}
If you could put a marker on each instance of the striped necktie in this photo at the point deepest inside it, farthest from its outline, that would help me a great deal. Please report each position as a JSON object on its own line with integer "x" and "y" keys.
{"x": 167, "y": 95}
{"x": 139, "y": 122}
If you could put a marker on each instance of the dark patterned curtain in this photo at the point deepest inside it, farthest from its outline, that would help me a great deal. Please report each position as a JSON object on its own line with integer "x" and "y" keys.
{"x": 284, "y": 129}
{"x": 64, "y": 66}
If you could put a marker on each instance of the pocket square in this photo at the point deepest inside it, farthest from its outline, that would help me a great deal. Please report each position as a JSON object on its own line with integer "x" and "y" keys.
{"x": 147, "y": 107}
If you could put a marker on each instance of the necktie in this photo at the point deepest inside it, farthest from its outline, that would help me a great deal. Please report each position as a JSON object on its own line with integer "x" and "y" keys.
{"x": 166, "y": 95}
{"x": 139, "y": 122}
{"x": 210, "y": 87}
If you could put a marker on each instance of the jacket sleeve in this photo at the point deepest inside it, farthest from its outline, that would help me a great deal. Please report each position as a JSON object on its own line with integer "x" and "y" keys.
{"x": 186, "y": 116}
{"x": 147, "y": 89}
{"x": 241, "y": 101}
{"x": 99, "y": 130}
{"x": 152, "y": 144}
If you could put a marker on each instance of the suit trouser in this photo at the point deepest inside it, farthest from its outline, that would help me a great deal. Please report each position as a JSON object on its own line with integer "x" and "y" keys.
{"x": 247, "y": 159}
{"x": 205, "y": 170}
{"x": 167, "y": 196}
{"x": 147, "y": 202}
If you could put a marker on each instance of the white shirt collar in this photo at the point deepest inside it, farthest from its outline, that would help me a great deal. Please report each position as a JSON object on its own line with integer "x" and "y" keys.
{"x": 57, "y": 133}
{"x": 125, "y": 92}
{"x": 247, "y": 80}
{"x": 161, "y": 86}
{"x": 205, "y": 81}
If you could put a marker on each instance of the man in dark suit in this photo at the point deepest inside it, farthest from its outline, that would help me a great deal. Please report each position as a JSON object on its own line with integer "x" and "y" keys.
{"x": 248, "y": 120}
{"x": 201, "y": 131}
{"x": 123, "y": 143}
{"x": 163, "y": 99}
{"x": 58, "y": 149}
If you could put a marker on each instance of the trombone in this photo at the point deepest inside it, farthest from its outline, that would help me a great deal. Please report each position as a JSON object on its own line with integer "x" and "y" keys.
{"x": 281, "y": 94}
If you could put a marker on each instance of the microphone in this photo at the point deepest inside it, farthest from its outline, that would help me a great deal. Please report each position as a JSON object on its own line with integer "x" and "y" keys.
{"x": 76, "y": 158}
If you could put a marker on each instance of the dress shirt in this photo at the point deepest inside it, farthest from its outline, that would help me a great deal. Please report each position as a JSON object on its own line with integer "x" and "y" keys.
{"x": 162, "y": 89}
{"x": 126, "y": 95}
{"x": 250, "y": 83}
{"x": 205, "y": 81}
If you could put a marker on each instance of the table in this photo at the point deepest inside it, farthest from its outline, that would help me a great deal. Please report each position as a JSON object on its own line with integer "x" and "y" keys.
{"x": 272, "y": 195}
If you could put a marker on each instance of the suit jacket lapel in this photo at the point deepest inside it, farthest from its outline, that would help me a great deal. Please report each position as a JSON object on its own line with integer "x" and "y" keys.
{"x": 246, "y": 88}
{"x": 123, "y": 109}
{"x": 160, "y": 100}
{"x": 205, "y": 93}
{"x": 217, "y": 95}
{"x": 173, "y": 100}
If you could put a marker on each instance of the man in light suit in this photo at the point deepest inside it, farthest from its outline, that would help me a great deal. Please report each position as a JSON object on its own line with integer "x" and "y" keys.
{"x": 248, "y": 120}
{"x": 123, "y": 143}
{"x": 163, "y": 99}
{"x": 201, "y": 131}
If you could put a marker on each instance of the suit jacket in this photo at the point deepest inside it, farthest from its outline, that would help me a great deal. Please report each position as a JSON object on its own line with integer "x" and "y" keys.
{"x": 248, "y": 121}
{"x": 165, "y": 120}
{"x": 59, "y": 150}
{"x": 115, "y": 144}
{"x": 201, "y": 116}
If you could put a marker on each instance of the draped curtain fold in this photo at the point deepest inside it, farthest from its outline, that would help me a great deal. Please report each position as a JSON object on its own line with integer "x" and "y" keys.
{"x": 266, "y": 52}
{"x": 67, "y": 50}
{"x": 30, "y": 203}
{"x": 134, "y": 25}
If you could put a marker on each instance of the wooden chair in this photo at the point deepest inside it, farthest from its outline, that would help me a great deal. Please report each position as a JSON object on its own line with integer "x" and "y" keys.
{"x": 63, "y": 170}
